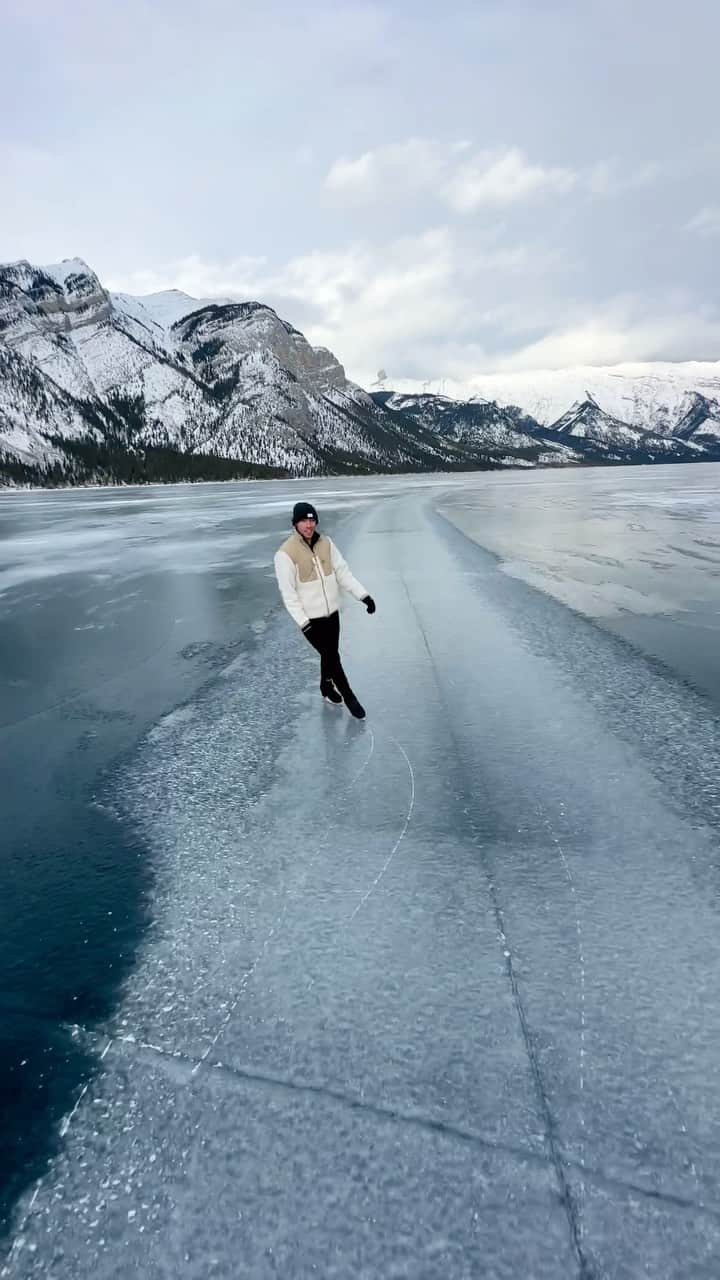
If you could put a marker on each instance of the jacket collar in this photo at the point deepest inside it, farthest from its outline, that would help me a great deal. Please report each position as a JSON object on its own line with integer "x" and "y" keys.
{"x": 311, "y": 544}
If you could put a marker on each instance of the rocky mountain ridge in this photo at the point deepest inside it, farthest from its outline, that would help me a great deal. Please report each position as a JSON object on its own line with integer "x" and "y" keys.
{"x": 104, "y": 387}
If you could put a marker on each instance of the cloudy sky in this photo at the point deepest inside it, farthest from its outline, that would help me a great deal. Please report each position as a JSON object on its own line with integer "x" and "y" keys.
{"x": 435, "y": 189}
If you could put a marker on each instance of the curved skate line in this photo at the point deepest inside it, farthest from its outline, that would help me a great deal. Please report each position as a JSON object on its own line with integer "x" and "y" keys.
{"x": 364, "y": 766}
{"x": 321, "y": 846}
{"x": 400, "y": 838}
{"x": 290, "y": 897}
{"x": 279, "y": 918}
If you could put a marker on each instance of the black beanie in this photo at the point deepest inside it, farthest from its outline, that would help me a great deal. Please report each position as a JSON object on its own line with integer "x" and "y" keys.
{"x": 302, "y": 510}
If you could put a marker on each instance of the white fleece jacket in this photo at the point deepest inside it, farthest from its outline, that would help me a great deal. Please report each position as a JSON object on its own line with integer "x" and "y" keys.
{"x": 311, "y": 579}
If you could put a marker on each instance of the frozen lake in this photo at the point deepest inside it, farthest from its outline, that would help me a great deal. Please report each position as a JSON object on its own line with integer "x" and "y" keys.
{"x": 636, "y": 550}
{"x": 430, "y": 994}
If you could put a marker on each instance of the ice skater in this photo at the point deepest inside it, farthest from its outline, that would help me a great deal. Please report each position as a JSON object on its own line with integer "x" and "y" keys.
{"x": 311, "y": 573}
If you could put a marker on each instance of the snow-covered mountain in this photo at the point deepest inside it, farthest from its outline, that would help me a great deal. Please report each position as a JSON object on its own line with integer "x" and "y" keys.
{"x": 101, "y": 384}
{"x": 104, "y": 386}
{"x": 617, "y": 440}
{"x": 507, "y": 435}
{"x": 646, "y": 395}
{"x": 700, "y": 421}
{"x": 492, "y": 434}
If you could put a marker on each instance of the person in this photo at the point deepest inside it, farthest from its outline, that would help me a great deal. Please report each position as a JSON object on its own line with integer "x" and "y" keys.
{"x": 311, "y": 573}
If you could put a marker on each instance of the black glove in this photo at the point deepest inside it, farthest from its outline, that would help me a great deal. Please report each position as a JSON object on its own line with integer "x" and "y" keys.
{"x": 369, "y": 604}
{"x": 307, "y": 628}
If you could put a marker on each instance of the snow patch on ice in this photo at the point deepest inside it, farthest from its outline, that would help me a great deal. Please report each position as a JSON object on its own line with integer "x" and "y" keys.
{"x": 181, "y": 716}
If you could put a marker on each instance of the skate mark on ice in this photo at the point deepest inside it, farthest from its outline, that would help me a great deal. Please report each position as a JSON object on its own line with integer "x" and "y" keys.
{"x": 400, "y": 838}
{"x": 70, "y": 1117}
{"x": 363, "y": 766}
{"x": 290, "y": 897}
{"x": 19, "y": 1240}
{"x": 278, "y": 922}
{"x": 329, "y": 827}
{"x": 696, "y": 1173}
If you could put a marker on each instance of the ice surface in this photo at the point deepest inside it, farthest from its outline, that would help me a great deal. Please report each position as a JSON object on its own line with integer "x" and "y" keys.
{"x": 177, "y": 526}
{"x": 434, "y": 994}
{"x": 604, "y": 542}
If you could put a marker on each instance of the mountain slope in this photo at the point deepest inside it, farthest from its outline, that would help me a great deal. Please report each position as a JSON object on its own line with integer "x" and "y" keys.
{"x": 619, "y": 441}
{"x": 645, "y": 395}
{"x": 32, "y": 409}
{"x": 104, "y": 387}
{"x": 206, "y": 380}
{"x": 699, "y": 420}
{"x": 482, "y": 430}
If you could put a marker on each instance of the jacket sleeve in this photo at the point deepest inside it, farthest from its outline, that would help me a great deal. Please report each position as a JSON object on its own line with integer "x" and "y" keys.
{"x": 344, "y": 577}
{"x": 285, "y": 573}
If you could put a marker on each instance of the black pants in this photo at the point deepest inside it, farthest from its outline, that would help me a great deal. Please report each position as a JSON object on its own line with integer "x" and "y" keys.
{"x": 324, "y": 635}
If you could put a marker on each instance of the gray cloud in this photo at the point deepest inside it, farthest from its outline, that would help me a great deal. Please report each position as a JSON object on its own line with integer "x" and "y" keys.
{"x": 706, "y": 221}
{"x": 455, "y": 174}
{"x": 495, "y": 185}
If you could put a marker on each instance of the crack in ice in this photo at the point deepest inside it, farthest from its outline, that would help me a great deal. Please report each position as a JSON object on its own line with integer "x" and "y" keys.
{"x": 581, "y": 1002}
